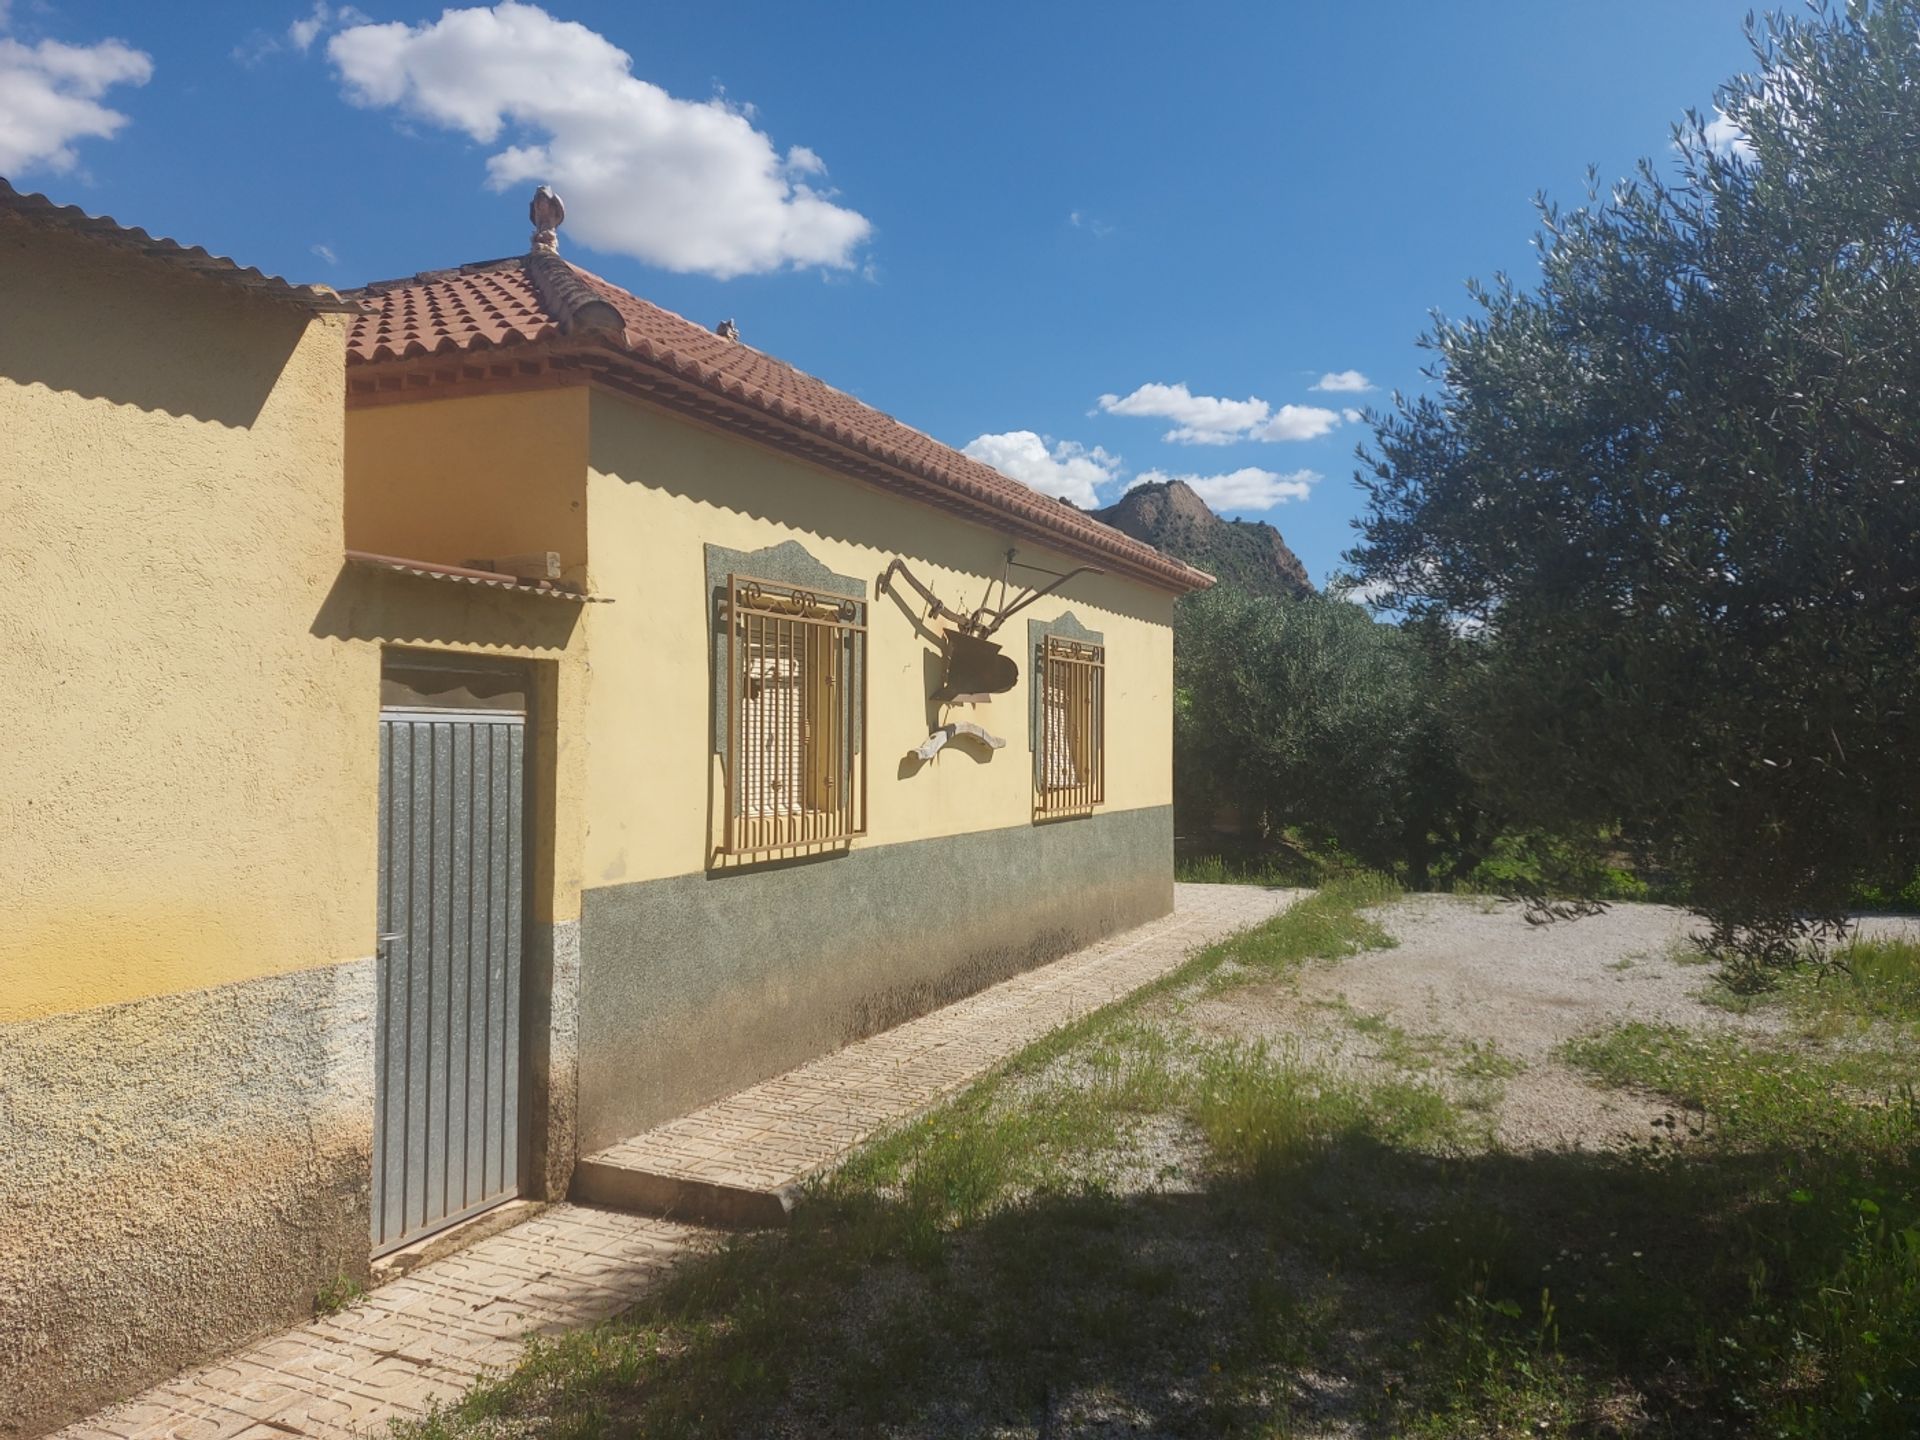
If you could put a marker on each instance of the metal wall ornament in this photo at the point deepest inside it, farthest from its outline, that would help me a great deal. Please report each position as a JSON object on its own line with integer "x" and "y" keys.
{"x": 976, "y": 669}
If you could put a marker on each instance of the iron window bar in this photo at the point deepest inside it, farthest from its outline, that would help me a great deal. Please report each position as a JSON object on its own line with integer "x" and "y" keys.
{"x": 795, "y": 767}
{"x": 1072, "y": 777}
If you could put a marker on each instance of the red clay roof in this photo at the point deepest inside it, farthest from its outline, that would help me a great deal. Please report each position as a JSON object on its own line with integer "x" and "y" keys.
{"x": 39, "y": 210}
{"x": 542, "y": 300}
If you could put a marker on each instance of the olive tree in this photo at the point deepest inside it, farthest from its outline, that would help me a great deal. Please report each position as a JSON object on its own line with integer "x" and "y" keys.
{"x": 1313, "y": 717}
{"x": 1668, "y": 495}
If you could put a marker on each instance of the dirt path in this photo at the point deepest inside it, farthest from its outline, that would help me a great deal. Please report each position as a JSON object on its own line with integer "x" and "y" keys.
{"x": 1478, "y": 1001}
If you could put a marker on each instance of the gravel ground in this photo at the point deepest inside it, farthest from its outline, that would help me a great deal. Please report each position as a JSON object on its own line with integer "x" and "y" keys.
{"x": 1468, "y": 971}
{"x": 1472, "y": 1000}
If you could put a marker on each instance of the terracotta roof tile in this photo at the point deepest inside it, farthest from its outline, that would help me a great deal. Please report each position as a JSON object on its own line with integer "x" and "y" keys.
{"x": 528, "y": 299}
{"x": 38, "y": 210}
{"x": 456, "y": 310}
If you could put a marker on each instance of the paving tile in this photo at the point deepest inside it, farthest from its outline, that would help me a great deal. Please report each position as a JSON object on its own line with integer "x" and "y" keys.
{"x": 151, "y": 1416}
{"x": 342, "y": 1411}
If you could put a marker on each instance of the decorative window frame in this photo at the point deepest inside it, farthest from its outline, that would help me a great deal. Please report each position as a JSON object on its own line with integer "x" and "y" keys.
{"x": 1089, "y": 793}
{"x": 786, "y": 595}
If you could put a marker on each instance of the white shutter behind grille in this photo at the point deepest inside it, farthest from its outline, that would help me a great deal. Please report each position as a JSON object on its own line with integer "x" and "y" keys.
{"x": 1060, "y": 769}
{"x": 772, "y": 729}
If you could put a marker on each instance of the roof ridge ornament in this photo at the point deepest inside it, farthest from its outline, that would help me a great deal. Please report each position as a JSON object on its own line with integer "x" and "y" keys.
{"x": 547, "y": 212}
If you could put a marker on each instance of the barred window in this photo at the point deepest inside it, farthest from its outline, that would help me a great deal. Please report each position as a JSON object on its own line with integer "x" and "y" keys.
{"x": 796, "y": 709}
{"x": 1073, "y": 715}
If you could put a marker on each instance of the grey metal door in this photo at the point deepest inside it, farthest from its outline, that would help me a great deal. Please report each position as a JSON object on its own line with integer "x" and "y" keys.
{"x": 447, "y": 1066}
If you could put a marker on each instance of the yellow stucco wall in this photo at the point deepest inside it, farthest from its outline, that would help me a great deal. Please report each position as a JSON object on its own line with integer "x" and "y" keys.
{"x": 379, "y": 613}
{"x": 471, "y": 477}
{"x": 468, "y": 477}
{"x": 660, "y": 489}
{"x": 182, "y": 797}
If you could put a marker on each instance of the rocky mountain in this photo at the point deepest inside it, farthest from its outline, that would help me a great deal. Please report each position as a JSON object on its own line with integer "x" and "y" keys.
{"x": 1248, "y": 553}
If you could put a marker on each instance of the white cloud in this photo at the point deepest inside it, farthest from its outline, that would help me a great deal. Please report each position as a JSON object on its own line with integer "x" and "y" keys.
{"x": 325, "y": 252}
{"x": 304, "y": 31}
{"x": 1724, "y": 133}
{"x": 687, "y": 185}
{"x": 50, "y": 98}
{"x": 300, "y": 35}
{"x": 1198, "y": 419}
{"x": 1211, "y": 420}
{"x": 1063, "y": 469}
{"x": 1352, "y": 416}
{"x": 1297, "y": 422}
{"x": 1350, "y": 382}
{"x": 1244, "y": 489}
{"x": 1366, "y": 593}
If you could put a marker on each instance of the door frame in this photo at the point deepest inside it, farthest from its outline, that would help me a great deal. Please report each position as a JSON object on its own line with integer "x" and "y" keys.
{"x": 426, "y": 661}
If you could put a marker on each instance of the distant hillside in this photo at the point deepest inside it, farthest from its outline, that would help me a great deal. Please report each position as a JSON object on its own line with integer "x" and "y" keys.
{"x": 1247, "y": 553}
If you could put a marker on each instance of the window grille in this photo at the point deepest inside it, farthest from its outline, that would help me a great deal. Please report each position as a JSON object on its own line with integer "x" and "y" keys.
{"x": 796, "y": 710}
{"x": 1073, "y": 722}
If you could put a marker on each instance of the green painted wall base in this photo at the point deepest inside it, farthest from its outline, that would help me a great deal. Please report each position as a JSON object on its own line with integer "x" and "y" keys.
{"x": 694, "y": 987}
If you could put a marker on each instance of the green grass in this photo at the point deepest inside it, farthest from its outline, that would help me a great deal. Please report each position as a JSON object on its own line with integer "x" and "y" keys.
{"x": 1868, "y": 980}
{"x": 979, "y": 1231}
{"x": 1479, "y": 1061}
{"x": 1752, "y": 1268}
{"x": 1864, "y": 983}
{"x": 1326, "y": 926}
{"x": 1219, "y": 870}
{"x": 1759, "y": 1094}
{"x": 1264, "y": 1112}
{"x": 1812, "y": 1154}
{"x": 337, "y": 1294}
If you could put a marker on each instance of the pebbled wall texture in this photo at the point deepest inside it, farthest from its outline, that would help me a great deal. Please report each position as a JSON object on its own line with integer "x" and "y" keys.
{"x": 696, "y": 986}
{"x": 552, "y": 981}
{"x": 181, "y": 1173}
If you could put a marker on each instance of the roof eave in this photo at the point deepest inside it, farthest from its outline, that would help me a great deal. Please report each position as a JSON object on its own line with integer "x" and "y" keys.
{"x": 603, "y": 358}
{"x": 38, "y": 210}
{"x": 1153, "y": 567}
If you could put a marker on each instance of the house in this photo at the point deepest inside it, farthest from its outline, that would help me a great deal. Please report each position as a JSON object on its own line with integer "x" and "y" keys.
{"x": 467, "y": 721}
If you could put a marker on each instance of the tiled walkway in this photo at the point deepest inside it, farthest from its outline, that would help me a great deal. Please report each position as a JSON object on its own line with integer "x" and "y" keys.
{"x": 740, "y": 1159}
{"x": 428, "y": 1335}
{"x": 424, "y": 1337}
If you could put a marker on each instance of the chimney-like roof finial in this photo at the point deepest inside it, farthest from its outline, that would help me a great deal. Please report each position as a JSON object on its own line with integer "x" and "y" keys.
{"x": 547, "y": 213}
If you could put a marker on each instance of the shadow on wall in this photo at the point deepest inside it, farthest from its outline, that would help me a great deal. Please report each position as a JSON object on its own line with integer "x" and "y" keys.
{"x": 933, "y": 669}
{"x": 940, "y": 713}
{"x": 174, "y": 344}
{"x": 407, "y": 609}
{"x": 638, "y": 446}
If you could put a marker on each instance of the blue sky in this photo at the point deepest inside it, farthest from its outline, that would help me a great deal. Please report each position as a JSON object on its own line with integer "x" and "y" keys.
{"x": 980, "y": 218}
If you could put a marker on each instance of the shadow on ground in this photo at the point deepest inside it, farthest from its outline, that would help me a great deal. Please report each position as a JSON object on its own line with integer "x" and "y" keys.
{"x": 1360, "y": 1290}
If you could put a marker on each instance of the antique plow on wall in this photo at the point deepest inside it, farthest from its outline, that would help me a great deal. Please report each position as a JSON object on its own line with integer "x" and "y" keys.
{"x": 976, "y": 668}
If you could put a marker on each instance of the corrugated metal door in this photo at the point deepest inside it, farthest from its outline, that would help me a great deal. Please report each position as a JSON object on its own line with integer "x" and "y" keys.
{"x": 447, "y": 1068}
